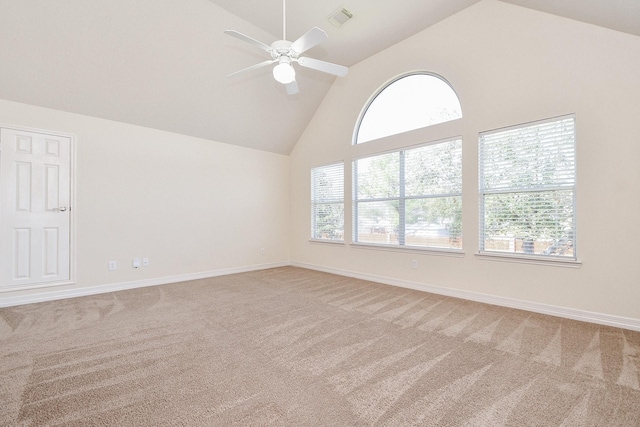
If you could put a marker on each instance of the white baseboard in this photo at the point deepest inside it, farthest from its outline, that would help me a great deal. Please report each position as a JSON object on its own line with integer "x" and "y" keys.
{"x": 568, "y": 313}
{"x": 51, "y": 294}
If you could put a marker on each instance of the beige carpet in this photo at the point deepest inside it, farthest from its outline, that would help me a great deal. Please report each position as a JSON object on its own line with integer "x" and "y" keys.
{"x": 294, "y": 347}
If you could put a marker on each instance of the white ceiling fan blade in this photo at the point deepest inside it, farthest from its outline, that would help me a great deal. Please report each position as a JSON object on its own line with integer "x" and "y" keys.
{"x": 325, "y": 67}
{"x": 292, "y": 88}
{"x": 249, "y": 40}
{"x": 253, "y": 67}
{"x": 309, "y": 40}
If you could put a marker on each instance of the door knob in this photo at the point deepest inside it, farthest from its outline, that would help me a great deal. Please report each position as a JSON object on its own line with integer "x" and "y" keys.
{"x": 62, "y": 209}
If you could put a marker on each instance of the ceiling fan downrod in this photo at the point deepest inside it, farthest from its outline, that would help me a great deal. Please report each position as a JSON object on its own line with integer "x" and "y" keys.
{"x": 284, "y": 19}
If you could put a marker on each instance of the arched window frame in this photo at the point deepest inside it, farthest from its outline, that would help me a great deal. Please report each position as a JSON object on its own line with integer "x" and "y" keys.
{"x": 443, "y": 132}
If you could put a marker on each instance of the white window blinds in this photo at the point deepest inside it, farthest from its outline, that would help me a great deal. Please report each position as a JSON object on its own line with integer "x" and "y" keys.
{"x": 527, "y": 189}
{"x": 327, "y": 202}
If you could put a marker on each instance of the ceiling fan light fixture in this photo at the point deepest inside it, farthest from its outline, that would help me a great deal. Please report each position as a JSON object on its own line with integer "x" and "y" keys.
{"x": 284, "y": 72}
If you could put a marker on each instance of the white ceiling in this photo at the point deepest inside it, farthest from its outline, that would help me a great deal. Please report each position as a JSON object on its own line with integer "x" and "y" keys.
{"x": 162, "y": 63}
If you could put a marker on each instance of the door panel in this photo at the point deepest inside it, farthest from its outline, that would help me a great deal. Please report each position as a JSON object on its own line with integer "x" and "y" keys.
{"x": 51, "y": 185}
{"x": 23, "y": 187}
{"x": 22, "y": 256}
{"x": 34, "y": 208}
{"x": 51, "y": 251}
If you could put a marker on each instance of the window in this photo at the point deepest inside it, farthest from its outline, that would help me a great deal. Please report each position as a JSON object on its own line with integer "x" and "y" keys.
{"x": 527, "y": 189}
{"x": 327, "y": 202}
{"x": 411, "y": 197}
{"x": 410, "y": 102}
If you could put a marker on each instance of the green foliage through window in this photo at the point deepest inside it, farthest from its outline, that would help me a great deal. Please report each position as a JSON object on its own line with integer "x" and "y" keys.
{"x": 411, "y": 197}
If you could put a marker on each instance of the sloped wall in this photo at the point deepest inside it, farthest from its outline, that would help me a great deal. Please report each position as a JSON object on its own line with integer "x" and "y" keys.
{"x": 509, "y": 65}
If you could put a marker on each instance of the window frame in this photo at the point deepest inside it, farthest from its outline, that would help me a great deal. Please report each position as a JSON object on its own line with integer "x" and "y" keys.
{"x": 402, "y": 198}
{"x": 535, "y": 258}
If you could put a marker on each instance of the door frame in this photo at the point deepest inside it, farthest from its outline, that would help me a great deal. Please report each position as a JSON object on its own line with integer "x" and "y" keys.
{"x": 72, "y": 204}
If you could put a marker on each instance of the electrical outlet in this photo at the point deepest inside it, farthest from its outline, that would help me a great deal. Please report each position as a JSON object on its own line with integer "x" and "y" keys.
{"x": 113, "y": 265}
{"x": 414, "y": 263}
{"x": 145, "y": 262}
{"x": 136, "y": 263}
{"x": 261, "y": 251}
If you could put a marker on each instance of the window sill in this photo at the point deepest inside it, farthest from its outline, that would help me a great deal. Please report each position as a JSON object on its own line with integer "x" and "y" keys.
{"x": 327, "y": 242}
{"x": 458, "y": 253}
{"x": 538, "y": 260}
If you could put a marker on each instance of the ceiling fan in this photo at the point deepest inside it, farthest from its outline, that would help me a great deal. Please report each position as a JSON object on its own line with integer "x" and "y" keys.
{"x": 285, "y": 53}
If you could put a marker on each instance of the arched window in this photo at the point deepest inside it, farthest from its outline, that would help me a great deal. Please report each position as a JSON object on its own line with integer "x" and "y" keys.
{"x": 412, "y": 196}
{"x": 412, "y": 101}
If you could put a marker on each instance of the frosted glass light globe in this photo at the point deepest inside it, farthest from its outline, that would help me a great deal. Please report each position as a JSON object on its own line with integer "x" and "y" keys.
{"x": 284, "y": 73}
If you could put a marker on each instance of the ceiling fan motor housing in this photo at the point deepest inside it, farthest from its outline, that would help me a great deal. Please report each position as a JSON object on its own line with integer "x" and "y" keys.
{"x": 282, "y": 48}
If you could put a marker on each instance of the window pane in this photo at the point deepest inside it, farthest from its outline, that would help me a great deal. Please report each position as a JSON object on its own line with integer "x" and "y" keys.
{"x": 327, "y": 202}
{"x": 434, "y": 169}
{"x": 435, "y": 222}
{"x": 327, "y": 183}
{"x": 377, "y": 222}
{"x": 536, "y": 156}
{"x": 378, "y": 177}
{"x": 538, "y": 223}
{"x": 329, "y": 221}
{"x": 411, "y": 102}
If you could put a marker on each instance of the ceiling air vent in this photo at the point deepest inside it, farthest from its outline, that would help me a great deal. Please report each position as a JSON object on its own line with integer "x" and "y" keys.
{"x": 339, "y": 17}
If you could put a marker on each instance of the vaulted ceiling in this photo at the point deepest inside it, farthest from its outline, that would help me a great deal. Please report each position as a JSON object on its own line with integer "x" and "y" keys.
{"x": 162, "y": 63}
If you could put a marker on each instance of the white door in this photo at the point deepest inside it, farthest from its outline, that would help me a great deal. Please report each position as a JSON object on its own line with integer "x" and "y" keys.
{"x": 35, "y": 172}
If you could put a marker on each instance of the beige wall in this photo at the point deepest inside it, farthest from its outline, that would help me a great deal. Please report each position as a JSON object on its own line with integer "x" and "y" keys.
{"x": 199, "y": 207}
{"x": 190, "y": 205}
{"x": 509, "y": 65}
